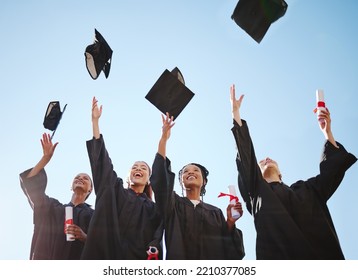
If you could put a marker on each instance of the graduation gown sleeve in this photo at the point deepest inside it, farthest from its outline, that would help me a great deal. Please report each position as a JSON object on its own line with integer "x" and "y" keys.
{"x": 249, "y": 174}
{"x": 45, "y": 234}
{"x": 334, "y": 163}
{"x": 313, "y": 214}
{"x": 162, "y": 181}
{"x": 34, "y": 187}
{"x": 124, "y": 224}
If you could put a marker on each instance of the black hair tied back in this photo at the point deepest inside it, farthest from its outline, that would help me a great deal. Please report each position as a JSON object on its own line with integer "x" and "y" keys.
{"x": 204, "y": 172}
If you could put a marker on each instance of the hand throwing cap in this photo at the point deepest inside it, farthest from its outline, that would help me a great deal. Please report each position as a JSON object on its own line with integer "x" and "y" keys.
{"x": 169, "y": 93}
{"x": 98, "y": 57}
{"x": 256, "y": 16}
{"x": 53, "y": 116}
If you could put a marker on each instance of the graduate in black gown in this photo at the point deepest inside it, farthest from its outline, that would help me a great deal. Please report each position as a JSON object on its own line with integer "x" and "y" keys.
{"x": 292, "y": 222}
{"x": 126, "y": 223}
{"x": 193, "y": 229}
{"x": 49, "y": 237}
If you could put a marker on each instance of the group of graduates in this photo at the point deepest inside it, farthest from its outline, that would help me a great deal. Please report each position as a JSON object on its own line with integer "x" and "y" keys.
{"x": 291, "y": 222}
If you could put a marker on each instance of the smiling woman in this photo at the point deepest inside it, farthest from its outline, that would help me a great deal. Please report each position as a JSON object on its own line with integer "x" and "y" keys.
{"x": 48, "y": 241}
{"x": 126, "y": 223}
{"x": 190, "y": 173}
{"x": 139, "y": 177}
{"x": 82, "y": 183}
{"x": 194, "y": 229}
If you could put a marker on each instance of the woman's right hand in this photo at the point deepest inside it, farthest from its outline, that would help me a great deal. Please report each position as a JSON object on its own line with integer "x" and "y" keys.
{"x": 47, "y": 147}
{"x": 235, "y": 105}
{"x": 168, "y": 123}
{"x": 96, "y": 112}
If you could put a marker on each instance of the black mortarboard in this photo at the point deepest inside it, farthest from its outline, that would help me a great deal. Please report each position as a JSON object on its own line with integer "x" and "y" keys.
{"x": 98, "y": 57}
{"x": 256, "y": 16}
{"x": 169, "y": 93}
{"x": 53, "y": 116}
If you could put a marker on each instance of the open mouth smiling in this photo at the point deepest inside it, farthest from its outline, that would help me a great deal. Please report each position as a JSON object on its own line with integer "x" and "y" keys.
{"x": 138, "y": 175}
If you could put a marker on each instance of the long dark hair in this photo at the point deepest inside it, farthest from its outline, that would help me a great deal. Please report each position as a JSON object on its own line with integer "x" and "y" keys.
{"x": 148, "y": 191}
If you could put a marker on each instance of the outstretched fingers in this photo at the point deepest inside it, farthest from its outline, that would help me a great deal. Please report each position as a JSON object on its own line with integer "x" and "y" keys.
{"x": 236, "y": 103}
{"x": 168, "y": 120}
{"x": 168, "y": 123}
{"x": 96, "y": 112}
{"x": 47, "y": 146}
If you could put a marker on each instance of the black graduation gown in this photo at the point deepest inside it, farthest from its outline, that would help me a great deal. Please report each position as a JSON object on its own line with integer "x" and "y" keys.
{"x": 49, "y": 240}
{"x": 124, "y": 224}
{"x": 196, "y": 233}
{"x": 292, "y": 222}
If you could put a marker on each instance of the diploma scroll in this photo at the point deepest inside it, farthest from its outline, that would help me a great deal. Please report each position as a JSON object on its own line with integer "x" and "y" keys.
{"x": 69, "y": 221}
{"x": 321, "y": 106}
{"x": 233, "y": 199}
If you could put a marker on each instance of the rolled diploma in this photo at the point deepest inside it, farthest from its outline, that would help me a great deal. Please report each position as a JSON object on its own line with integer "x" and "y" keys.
{"x": 320, "y": 102}
{"x": 69, "y": 221}
{"x": 235, "y": 214}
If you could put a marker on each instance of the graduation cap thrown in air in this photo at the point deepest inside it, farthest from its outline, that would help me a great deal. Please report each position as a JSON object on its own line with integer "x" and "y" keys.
{"x": 53, "y": 116}
{"x": 169, "y": 93}
{"x": 256, "y": 16}
{"x": 98, "y": 57}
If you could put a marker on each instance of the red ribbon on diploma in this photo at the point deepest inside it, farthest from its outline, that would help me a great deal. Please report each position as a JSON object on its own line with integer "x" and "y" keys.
{"x": 230, "y": 195}
{"x": 319, "y": 104}
{"x": 67, "y": 222}
{"x": 152, "y": 253}
{"x": 152, "y": 257}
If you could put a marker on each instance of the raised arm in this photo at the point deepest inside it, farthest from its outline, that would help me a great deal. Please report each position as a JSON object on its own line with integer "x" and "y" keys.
{"x": 96, "y": 114}
{"x": 48, "y": 150}
{"x": 33, "y": 181}
{"x": 335, "y": 160}
{"x": 168, "y": 123}
{"x": 250, "y": 178}
{"x": 325, "y": 126}
{"x": 162, "y": 178}
{"x": 235, "y": 105}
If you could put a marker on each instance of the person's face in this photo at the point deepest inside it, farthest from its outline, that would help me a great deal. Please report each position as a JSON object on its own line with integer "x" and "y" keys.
{"x": 139, "y": 174}
{"x": 192, "y": 175}
{"x": 267, "y": 163}
{"x": 82, "y": 181}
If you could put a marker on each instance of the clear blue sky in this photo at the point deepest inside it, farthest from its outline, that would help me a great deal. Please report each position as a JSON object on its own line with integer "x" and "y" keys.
{"x": 42, "y": 56}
